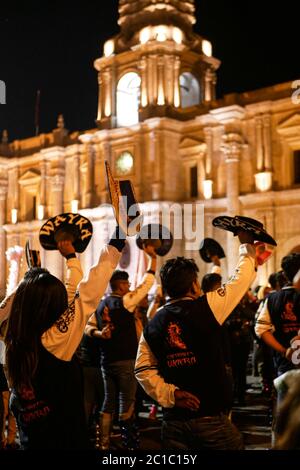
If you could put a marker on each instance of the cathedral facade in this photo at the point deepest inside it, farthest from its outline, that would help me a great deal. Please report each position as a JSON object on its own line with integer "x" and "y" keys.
{"x": 160, "y": 125}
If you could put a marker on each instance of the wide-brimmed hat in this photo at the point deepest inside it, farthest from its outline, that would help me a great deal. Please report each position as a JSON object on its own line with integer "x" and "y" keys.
{"x": 32, "y": 256}
{"x": 124, "y": 202}
{"x": 237, "y": 223}
{"x": 67, "y": 226}
{"x": 157, "y": 235}
{"x": 210, "y": 247}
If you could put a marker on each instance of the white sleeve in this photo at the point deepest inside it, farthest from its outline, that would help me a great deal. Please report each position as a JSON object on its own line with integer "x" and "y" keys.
{"x": 263, "y": 322}
{"x": 225, "y": 299}
{"x": 91, "y": 325}
{"x": 63, "y": 338}
{"x": 73, "y": 277}
{"x": 131, "y": 299}
{"x": 146, "y": 372}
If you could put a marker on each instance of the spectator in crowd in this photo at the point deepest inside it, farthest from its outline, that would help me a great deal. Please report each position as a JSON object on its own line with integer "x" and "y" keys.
{"x": 180, "y": 361}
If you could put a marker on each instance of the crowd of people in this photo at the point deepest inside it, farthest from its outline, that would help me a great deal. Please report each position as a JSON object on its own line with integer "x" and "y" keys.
{"x": 76, "y": 356}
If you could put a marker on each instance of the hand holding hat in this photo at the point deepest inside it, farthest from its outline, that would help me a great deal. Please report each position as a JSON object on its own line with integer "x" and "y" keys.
{"x": 65, "y": 247}
{"x": 240, "y": 223}
{"x": 68, "y": 226}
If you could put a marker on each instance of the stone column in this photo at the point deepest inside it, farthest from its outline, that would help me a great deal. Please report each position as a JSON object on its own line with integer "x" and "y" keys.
{"x": 155, "y": 165}
{"x": 90, "y": 175}
{"x": 259, "y": 144}
{"x": 169, "y": 79}
{"x": 3, "y": 195}
{"x": 232, "y": 146}
{"x": 107, "y": 92}
{"x": 144, "y": 88}
{"x": 161, "y": 98}
{"x": 100, "y": 98}
{"x": 176, "y": 82}
{"x": 209, "y": 152}
{"x": 267, "y": 142}
{"x": 153, "y": 69}
{"x": 209, "y": 85}
{"x": 106, "y": 156}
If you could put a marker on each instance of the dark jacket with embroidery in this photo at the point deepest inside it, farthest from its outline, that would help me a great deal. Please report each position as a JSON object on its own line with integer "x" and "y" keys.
{"x": 123, "y": 343}
{"x": 284, "y": 309}
{"x": 51, "y": 414}
{"x": 186, "y": 339}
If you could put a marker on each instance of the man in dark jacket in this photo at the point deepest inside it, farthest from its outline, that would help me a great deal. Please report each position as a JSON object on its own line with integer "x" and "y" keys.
{"x": 180, "y": 361}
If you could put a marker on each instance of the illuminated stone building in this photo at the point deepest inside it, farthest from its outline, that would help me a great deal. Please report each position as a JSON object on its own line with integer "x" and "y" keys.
{"x": 159, "y": 124}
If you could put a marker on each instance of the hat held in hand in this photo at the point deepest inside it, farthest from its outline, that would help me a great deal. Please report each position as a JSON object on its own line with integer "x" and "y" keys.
{"x": 156, "y": 235}
{"x": 68, "y": 226}
{"x": 32, "y": 257}
{"x": 210, "y": 247}
{"x": 124, "y": 202}
{"x": 252, "y": 226}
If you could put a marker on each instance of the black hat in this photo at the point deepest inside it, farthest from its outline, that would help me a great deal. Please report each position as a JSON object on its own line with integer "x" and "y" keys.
{"x": 210, "y": 247}
{"x": 32, "y": 257}
{"x": 237, "y": 223}
{"x": 66, "y": 226}
{"x": 157, "y": 235}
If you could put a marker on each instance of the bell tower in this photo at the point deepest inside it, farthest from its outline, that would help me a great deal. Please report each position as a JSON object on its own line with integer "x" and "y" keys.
{"x": 156, "y": 66}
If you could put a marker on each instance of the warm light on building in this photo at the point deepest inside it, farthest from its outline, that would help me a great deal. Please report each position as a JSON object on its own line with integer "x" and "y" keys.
{"x": 161, "y": 96}
{"x": 207, "y": 189}
{"x": 145, "y": 35}
{"x": 14, "y": 216}
{"x": 107, "y": 110}
{"x": 109, "y": 48}
{"x": 40, "y": 212}
{"x": 177, "y": 35}
{"x": 74, "y": 206}
{"x": 207, "y": 48}
{"x": 177, "y": 97}
{"x": 263, "y": 180}
{"x": 161, "y": 33}
{"x": 144, "y": 98}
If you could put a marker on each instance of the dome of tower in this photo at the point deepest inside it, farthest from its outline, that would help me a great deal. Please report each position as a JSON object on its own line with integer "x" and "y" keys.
{"x": 137, "y": 14}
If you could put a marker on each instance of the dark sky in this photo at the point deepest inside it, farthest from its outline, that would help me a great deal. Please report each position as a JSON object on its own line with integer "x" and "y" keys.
{"x": 51, "y": 46}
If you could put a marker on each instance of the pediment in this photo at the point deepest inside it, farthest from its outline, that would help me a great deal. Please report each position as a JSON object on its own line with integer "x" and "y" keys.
{"x": 188, "y": 142}
{"x": 30, "y": 177}
{"x": 291, "y": 121}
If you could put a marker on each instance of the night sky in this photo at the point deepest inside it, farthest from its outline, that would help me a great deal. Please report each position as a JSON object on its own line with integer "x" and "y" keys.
{"x": 51, "y": 46}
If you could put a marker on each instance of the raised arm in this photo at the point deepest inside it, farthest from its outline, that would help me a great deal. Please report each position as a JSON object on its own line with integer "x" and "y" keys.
{"x": 63, "y": 338}
{"x": 224, "y": 300}
{"x": 131, "y": 300}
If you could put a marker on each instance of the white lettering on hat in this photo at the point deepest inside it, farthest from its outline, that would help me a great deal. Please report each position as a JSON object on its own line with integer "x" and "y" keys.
{"x": 81, "y": 222}
{"x": 85, "y": 233}
{"x": 58, "y": 220}
{"x": 72, "y": 217}
{"x": 47, "y": 228}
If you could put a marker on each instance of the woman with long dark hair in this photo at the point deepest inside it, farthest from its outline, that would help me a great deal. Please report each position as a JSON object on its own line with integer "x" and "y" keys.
{"x": 45, "y": 327}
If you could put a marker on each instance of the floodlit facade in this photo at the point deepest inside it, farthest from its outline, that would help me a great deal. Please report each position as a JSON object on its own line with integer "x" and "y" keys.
{"x": 160, "y": 125}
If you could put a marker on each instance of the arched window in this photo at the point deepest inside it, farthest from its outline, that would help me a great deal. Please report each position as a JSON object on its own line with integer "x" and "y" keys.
{"x": 128, "y": 98}
{"x": 189, "y": 90}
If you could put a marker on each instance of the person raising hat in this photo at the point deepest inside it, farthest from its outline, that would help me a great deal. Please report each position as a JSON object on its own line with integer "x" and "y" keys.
{"x": 45, "y": 326}
{"x": 180, "y": 361}
{"x": 114, "y": 324}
